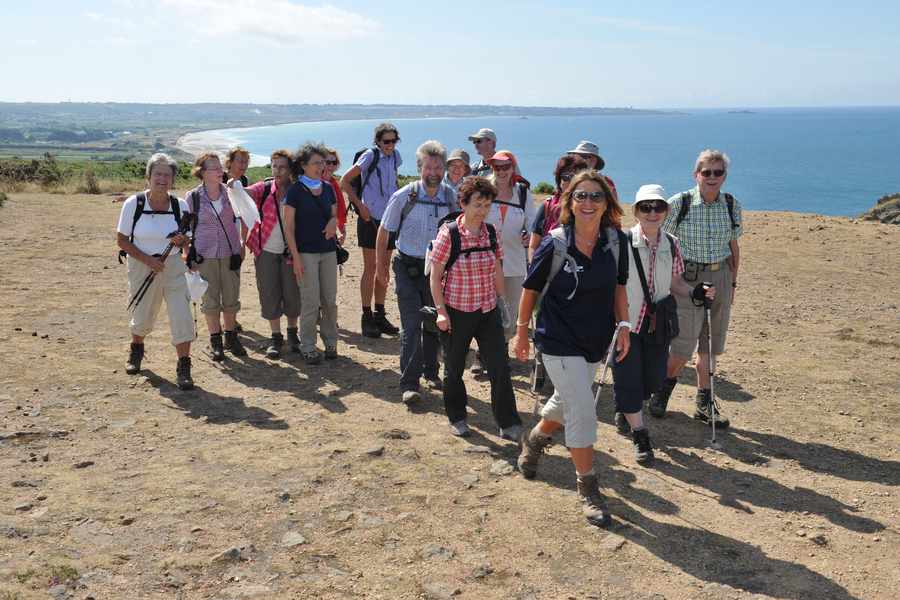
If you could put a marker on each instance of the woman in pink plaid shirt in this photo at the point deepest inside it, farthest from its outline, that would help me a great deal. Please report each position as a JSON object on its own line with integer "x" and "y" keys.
{"x": 468, "y": 294}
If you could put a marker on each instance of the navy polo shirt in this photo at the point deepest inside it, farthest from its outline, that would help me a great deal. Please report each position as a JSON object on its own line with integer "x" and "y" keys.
{"x": 313, "y": 214}
{"x": 584, "y": 325}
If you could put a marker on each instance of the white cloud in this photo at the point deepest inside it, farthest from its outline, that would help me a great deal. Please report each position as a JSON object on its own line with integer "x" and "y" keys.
{"x": 279, "y": 21}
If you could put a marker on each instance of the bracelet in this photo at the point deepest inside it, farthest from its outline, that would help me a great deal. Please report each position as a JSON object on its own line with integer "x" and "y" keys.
{"x": 525, "y": 324}
{"x": 623, "y": 324}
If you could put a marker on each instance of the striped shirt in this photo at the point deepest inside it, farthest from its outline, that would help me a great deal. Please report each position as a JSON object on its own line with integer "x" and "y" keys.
{"x": 470, "y": 284}
{"x": 211, "y": 240}
{"x": 705, "y": 233}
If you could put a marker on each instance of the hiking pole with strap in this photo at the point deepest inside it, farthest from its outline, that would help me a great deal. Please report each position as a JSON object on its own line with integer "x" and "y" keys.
{"x": 183, "y": 227}
{"x": 707, "y": 306}
{"x": 610, "y": 353}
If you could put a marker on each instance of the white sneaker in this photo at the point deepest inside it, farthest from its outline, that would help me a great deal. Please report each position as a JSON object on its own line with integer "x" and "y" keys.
{"x": 512, "y": 433}
{"x": 460, "y": 429}
{"x": 411, "y": 397}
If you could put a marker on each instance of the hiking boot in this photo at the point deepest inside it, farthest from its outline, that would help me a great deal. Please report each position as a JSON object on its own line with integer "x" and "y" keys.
{"x": 512, "y": 433}
{"x": 593, "y": 504}
{"x": 273, "y": 350}
{"x": 183, "y": 374}
{"x": 533, "y": 445}
{"x": 477, "y": 368}
{"x": 331, "y": 353}
{"x": 643, "y": 451}
{"x": 216, "y": 349}
{"x": 238, "y": 327}
{"x": 622, "y": 425}
{"x": 385, "y": 326}
{"x": 370, "y": 327}
{"x": 293, "y": 339}
{"x": 135, "y": 356}
{"x": 411, "y": 397}
{"x": 705, "y": 403}
{"x": 659, "y": 400}
{"x": 460, "y": 429}
{"x": 434, "y": 381}
{"x": 313, "y": 357}
{"x": 233, "y": 344}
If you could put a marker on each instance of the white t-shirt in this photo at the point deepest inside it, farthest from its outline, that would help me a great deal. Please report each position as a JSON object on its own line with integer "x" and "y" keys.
{"x": 509, "y": 228}
{"x": 276, "y": 244}
{"x": 151, "y": 230}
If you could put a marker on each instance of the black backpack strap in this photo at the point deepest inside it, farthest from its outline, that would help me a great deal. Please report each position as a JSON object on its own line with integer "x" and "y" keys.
{"x": 729, "y": 203}
{"x": 176, "y": 208}
{"x": 372, "y": 168}
{"x": 140, "y": 203}
{"x": 622, "y": 278}
{"x": 411, "y": 200}
{"x": 455, "y": 245}
{"x": 671, "y": 239}
{"x": 686, "y": 198}
{"x": 492, "y": 236}
{"x": 651, "y": 306}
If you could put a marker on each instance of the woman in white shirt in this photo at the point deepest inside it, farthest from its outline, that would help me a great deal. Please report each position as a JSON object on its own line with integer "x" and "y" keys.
{"x": 143, "y": 236}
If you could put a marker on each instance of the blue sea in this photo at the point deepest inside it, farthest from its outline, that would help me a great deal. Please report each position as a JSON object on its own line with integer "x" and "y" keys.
{"x": 835, "y": 161}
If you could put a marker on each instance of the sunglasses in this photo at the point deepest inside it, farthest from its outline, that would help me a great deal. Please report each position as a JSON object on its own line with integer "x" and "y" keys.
{"x": 655, "y": 206}
{"x": 332, "y": 162}
{"x": 566, "y": 176}
{"x": 481, "y": 141}
{"x": 502, "y": 167}
{"x": 595, "y": 197}
{"x": 390, "y": 141}
{"x": 712, "y": 172}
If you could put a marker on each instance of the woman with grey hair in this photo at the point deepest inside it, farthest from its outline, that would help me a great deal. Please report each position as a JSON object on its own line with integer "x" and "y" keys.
{"x": 146, "y": 224}
{"x": 310, "y": 228}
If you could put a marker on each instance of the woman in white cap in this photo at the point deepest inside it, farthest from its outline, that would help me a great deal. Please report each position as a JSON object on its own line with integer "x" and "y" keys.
{"x": 644, "y": 367}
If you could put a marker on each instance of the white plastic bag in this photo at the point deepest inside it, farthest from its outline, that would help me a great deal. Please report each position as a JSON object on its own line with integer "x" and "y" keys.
{"x": 243, "y": 205}
{"x": 196, "y": 285}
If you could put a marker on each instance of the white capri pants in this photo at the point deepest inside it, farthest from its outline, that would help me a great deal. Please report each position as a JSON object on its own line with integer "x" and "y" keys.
{"x": 171, "y": 285}
{"x": 572, "y": 402}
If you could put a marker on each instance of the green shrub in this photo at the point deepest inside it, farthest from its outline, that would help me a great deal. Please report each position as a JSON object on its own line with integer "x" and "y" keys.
{"x": 2, "y": 199}
{"x": 544, "y": 188}
{"x": 91, "y": 184}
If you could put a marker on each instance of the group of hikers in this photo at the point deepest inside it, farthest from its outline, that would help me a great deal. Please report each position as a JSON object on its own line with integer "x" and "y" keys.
{"x": 473, "y": 257}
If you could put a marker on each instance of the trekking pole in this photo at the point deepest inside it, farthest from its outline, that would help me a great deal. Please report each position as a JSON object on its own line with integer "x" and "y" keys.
{"x": 183, "y": 227}
{"x": 707, "y": 306}
{"x": 609, "y": 358}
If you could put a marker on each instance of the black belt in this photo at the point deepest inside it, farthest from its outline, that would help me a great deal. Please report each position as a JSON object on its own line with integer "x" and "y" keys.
{"x": 407, "y": 259}
{"x": 707, "y": 266}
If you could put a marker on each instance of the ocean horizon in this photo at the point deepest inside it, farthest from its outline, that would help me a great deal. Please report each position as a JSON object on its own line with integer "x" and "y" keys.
{"x": 833, "y": 161}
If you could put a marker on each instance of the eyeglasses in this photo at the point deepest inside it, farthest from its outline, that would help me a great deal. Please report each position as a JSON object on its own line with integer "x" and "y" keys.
{"x": 497, "y": 167}
{"x": 332, "y": 162}
{"x": 389, "y": 142}
{"x": 595, "y": 197}
{"x": 654, "y": 206}
{"x": 566, "y": 176}
{"x": 712, "y": 172}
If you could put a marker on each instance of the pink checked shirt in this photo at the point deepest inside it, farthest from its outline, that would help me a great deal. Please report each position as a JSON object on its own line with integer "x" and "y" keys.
{"x": 470, "y": 284}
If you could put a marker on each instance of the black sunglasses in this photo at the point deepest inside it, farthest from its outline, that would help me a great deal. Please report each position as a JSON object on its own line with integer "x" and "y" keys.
{"x": 332, "y": 162}
{"x": 712, "y": 172}
{"x": 595, "y": 197}
{"x": 654, "y": 206}
{"x": 390, "y": 141}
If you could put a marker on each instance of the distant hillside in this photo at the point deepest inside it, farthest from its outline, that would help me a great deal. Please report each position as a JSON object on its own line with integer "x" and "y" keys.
{"x": 886, "y": 210}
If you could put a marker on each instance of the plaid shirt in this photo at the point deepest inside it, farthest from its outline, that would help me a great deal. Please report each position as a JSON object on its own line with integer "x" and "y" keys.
{"x": 677, "y": 270}
{"x": 470, "y": 284}
{"x": 705, "y": 233}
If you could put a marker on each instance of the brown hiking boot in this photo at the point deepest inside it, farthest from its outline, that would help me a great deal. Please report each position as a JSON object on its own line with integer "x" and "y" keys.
{"x": 533, "y": 445}
{"x": 593, "y": 504}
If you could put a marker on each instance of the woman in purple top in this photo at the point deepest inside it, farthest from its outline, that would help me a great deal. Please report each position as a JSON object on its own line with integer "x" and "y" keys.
{"x": 219, "y": 251}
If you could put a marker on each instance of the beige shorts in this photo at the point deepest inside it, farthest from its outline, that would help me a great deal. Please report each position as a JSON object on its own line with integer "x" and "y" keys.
{"x": 223, "y": 293}
{"x": 692, "y": 328}
{"x": 169, "y": 285}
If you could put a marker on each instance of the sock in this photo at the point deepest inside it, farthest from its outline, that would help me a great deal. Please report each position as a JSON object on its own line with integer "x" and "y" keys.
{"x": 379, "y": 308}
{"x": 367, "y": 311}
{"x": 583, "y": 475}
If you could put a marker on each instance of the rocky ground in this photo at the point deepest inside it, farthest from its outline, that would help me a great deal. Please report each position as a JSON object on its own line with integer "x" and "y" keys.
{"x": 279, "y": 480}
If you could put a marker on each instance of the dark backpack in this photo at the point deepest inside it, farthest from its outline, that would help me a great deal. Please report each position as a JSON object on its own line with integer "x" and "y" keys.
{"x": 139, "y": 210}
{"x": 686, "y": 198}
{"x": 456, "y": 240}
{"x": 359, "y": 182}
{"x": 521, "y": 191}
{"x": 413, "y": 198}
{"x": 562, "y": 257}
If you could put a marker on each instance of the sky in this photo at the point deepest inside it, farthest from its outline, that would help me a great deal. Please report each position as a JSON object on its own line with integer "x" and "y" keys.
{"x": 648, "y": 54}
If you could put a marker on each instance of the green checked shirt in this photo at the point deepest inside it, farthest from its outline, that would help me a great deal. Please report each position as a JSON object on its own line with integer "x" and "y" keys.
{"x": 705, "y": 233}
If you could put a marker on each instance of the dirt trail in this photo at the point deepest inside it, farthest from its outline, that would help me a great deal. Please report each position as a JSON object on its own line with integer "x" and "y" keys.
{"x": 278, "y": 480}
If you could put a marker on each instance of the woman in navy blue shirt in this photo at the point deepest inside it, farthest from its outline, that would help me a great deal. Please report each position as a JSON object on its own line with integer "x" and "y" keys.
{"x": 310, "y": 225}
{"x": 574, "y": 328}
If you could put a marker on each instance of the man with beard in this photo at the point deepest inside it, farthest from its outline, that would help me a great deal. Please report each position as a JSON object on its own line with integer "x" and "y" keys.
{"x": 412, "y": 214}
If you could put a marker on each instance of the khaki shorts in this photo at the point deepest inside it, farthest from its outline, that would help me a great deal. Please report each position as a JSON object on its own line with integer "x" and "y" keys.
{"x": 693, "y": 331}
{"x": 223, "y": 294}
{"x": 169, "y": 285}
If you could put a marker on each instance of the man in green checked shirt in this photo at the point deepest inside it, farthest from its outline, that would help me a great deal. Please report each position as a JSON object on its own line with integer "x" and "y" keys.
{"x": 708, "y": 233}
